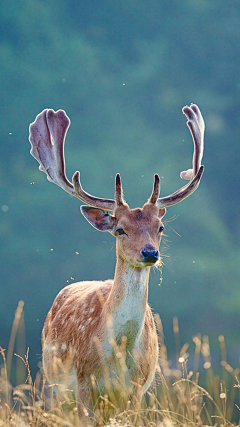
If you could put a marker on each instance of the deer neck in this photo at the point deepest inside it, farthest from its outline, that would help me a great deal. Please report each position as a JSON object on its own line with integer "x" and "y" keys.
{"x": 127, "y": 302}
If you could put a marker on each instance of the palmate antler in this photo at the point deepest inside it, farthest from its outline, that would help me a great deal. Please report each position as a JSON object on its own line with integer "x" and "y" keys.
{"x": 47, "y": 137}
{"x": 196, "y": 125}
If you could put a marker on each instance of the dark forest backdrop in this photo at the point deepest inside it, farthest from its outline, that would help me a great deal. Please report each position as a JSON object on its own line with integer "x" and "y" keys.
{"x": 122, "y": 70}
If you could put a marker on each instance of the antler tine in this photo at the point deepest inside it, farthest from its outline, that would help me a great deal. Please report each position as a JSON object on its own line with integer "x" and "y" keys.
{"x": 156, "y": 190}
{"x": 196, "y": 125}
{"x": 47, "y": 138}
{"x": 118, "y": 191}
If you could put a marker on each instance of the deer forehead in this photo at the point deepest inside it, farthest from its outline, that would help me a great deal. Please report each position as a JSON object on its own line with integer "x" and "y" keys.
{"x": 137, "y": 218}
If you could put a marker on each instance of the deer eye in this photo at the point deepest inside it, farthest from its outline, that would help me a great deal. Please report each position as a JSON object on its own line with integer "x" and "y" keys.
{"x": 161, "y": 228}
{"x": 120, "y": 231}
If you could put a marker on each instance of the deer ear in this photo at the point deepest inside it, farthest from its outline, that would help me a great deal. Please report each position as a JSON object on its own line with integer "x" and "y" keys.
{"x": 162, "y": 212}
{"x": 98, "y": 218}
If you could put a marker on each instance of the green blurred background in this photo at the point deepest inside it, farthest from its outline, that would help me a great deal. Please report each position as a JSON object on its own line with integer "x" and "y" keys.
{"x": 122, "y": 70}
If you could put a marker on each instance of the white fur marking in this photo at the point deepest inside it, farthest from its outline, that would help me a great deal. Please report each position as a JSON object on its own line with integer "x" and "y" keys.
{"x": 135, "y": 285}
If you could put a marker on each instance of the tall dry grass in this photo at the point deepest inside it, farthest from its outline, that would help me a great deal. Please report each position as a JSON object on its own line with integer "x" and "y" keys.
{"x": 178, "y": 397}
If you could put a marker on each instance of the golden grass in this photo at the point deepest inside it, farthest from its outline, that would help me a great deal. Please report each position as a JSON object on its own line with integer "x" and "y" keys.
{"x": 177, "y": 398}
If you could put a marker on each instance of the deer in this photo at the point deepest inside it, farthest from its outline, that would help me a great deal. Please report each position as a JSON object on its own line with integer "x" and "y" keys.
{"x": 90, "y": 319}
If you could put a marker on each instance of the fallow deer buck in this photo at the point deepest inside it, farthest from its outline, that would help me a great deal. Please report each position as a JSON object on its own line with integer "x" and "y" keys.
{"x": 79, "y": 328}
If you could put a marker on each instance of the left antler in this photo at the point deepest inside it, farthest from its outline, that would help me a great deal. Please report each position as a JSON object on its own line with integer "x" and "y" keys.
{"x": 196, "y": 125}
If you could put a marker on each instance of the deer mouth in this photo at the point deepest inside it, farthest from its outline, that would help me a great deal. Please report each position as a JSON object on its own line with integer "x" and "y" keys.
{"x": 146, "y": 263}
{"x": 150, "y": 263}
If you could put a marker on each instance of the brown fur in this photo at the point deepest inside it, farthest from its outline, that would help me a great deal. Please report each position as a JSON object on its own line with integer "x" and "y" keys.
{"x": 85, "y": 316}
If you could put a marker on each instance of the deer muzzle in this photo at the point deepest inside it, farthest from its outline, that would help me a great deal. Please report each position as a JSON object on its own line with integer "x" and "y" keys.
{"x": 150, "y": 255}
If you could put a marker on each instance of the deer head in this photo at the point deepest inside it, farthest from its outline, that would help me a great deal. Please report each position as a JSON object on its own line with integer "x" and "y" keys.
{"x": 138, "y": 231}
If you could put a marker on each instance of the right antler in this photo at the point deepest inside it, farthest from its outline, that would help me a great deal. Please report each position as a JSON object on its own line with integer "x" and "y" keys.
{"x": 47, "y": 137}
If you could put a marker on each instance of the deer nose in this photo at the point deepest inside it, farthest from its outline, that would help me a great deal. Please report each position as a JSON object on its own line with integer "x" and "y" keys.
{"x": 150, "y": 253}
